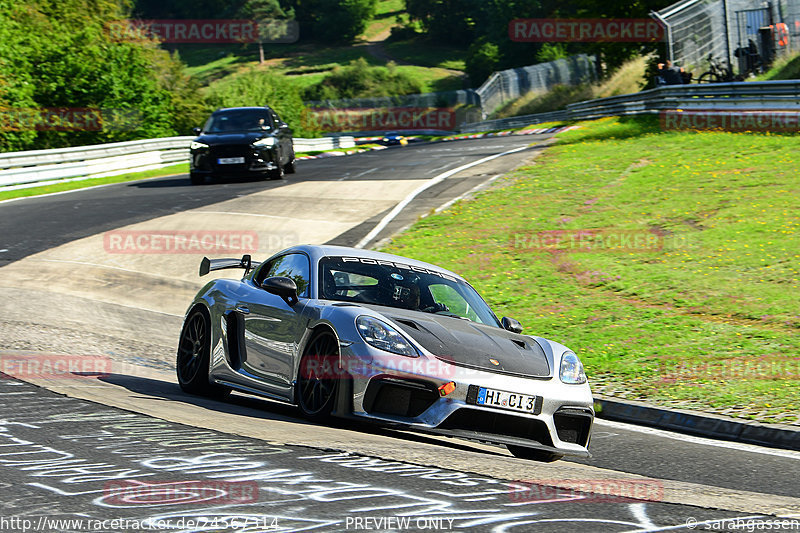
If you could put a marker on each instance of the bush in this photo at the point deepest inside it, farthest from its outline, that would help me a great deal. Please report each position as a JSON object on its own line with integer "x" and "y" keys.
{"x": 358, "y": 79}
{"x": 333, "y": 21}
{"x": 62, "y": 55}
{"x": 482, "y": 59}
{"x": 257, "y": 87}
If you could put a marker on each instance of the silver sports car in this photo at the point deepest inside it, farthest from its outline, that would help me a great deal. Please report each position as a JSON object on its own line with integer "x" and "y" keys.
{"x": 354, "y": 333}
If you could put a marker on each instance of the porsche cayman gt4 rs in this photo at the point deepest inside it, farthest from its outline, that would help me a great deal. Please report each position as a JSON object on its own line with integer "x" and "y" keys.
{"x": 352, "y": 333}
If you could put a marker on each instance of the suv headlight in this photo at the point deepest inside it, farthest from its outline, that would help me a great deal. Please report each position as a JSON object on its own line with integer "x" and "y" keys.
{"x": 266, "y": 142}
{"x": 381, "y": 335}
{"x": 571, "y": 371}
{"x": 197, "y": 145}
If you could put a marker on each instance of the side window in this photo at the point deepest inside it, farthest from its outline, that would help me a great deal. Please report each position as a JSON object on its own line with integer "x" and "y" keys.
{"x": 293, "y": 266}
{"x": 447, "y": 295}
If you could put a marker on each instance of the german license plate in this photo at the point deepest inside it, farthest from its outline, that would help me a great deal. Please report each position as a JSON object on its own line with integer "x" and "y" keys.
{"x": 230, "y": 160}
{"x": 506, "y": 400}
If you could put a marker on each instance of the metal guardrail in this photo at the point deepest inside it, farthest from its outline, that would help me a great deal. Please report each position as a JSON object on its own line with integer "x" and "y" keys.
{"x": 744, "y": 96}
{"x": 514, "y": 122}
{"x": 32, "y": 167}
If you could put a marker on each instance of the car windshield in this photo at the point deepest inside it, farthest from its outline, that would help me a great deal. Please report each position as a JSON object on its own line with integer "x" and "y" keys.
{"x": 238, "y": 121}
{"x": 372, "y": 281}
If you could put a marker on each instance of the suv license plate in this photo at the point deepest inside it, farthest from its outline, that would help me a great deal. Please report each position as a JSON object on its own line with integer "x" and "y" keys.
{"x": 230, "y": 160}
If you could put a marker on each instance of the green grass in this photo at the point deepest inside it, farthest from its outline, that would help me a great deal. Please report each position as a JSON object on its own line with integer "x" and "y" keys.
{"x": 433, "y": 79}
{"x": 419, "y": 51}
{"x": 386, "y": 13}
{"x": 306, "y": 67}
{"x": 305, "y": 64}
{"x": 180, "y": 168}
{"x": 706, "y": 319}
{"x": 784, "y": 68}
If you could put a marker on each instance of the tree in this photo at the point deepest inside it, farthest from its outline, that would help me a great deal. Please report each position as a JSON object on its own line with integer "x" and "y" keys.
{"x": 486, "y": 21}
{"x": 260, "y": 87}
{"x": 482, "y": 59}
{"x": 333, "y": 21}
{"x": 272, "y": 21}
{"x": 61, "y": 54}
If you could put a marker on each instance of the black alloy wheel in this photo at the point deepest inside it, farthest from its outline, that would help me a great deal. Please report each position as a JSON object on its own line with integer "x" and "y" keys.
{"x": 318, "y": 376}
{"x": 194, "y": 351}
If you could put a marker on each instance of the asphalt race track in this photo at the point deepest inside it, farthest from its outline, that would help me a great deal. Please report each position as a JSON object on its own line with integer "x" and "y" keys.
{"x": 127, "y": 444}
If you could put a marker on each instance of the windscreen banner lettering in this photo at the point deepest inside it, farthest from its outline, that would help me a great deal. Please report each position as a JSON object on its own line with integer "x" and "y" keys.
{"x": 368, "y": 261}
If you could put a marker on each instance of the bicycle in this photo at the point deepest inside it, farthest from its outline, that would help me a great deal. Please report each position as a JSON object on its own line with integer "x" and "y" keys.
{"x": 718, "y": 73}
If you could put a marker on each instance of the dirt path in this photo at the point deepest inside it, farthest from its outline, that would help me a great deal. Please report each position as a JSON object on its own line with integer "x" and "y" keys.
{"x": 376, "y": 49}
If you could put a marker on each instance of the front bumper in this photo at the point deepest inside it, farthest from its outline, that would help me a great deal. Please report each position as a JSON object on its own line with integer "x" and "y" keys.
{"x": 403, "y": 391}
{"x": 257, "y": 161}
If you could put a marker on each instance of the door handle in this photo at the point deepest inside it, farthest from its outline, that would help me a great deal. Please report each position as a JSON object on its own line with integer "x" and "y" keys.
{"x": 243, "y": 310}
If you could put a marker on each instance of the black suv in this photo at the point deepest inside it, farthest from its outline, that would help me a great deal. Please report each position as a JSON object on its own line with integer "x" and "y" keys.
{"x": 242, "y": 141}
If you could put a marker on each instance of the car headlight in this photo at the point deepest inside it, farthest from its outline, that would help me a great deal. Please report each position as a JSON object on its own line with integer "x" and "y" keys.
{"x": 197, "y": 145}
{"x": 381, "y": 335}
{"x": 266, "y": 142}
{"x": 571, "y": 371}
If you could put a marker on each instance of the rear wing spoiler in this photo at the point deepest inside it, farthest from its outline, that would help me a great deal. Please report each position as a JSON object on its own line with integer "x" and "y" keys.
{"x": 207, "y": 265}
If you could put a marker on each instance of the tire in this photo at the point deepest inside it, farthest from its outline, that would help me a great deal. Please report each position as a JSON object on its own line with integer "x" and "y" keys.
{"x": 276, "y": 174}
{"x": 535, "y": 455}
{"x": 317, "y": 377}
{"x": 194, "y": 352}
{"x": 291, "y": 166}
{"x": 197, "y": 179}
{"x": 707, "y": 77}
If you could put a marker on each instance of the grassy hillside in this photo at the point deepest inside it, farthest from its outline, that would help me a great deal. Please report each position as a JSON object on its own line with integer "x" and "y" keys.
{"x": 700, "y": 311}
{"x": 628, "y": 79}
{"x": 439, "y": 68}
{"x": 784, "y": 68}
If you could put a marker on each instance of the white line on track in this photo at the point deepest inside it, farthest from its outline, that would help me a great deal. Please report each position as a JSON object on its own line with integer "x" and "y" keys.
{"x": 427, "y": 185}
{"x": 466, "y": 194}
{"x": 347, "y": 176}
{"x": 434, "y": 170}
{"x": 788, "y": 454}
{"x": 639, "y": 512}
{"x": 262, "y": 215}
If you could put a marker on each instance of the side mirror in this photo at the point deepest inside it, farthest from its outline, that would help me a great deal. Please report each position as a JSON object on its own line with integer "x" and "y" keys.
{"x": 197, "y": 131}
{"x": 511, "y": 325}
{"x": 282, "y": 286}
